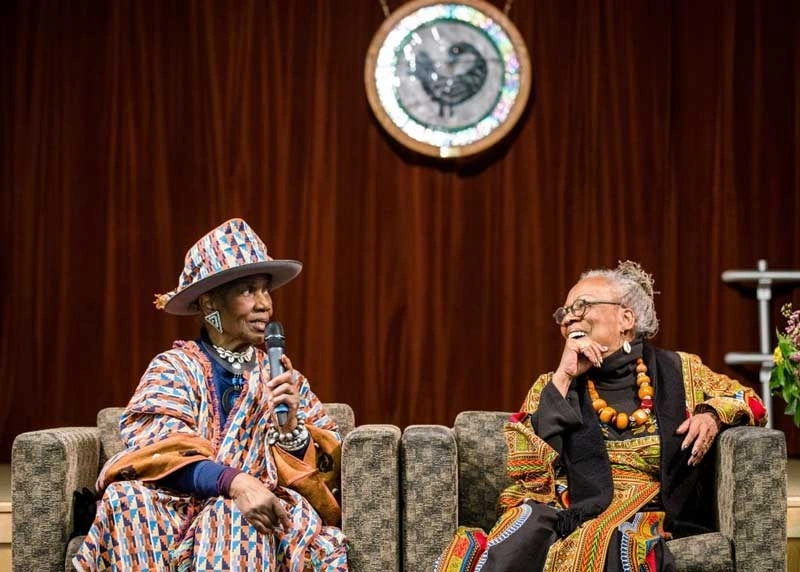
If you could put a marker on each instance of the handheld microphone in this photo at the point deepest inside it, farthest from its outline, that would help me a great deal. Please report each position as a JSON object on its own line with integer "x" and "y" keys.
{"x": 275, "y": 341}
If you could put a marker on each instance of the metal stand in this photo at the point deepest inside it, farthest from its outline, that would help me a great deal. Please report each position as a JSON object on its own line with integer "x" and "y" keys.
{"x": 764, "y": 280}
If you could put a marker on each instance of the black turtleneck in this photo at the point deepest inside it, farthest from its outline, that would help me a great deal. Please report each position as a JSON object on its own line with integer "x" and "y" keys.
{"x": 615, "y": 381}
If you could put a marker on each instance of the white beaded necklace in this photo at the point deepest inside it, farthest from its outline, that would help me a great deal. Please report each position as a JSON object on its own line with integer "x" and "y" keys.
{"x": 236, "y": 359}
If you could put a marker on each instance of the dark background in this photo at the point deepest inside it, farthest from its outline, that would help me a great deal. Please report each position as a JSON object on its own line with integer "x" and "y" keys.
{"x": 663, "y": 131}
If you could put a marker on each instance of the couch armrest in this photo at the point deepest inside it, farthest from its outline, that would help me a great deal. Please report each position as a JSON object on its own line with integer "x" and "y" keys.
{"x": 751, "y": 496}
{"x": 371, "y": 498}
{"x": 46, "y": 467}
{"x": 429, "y": 469}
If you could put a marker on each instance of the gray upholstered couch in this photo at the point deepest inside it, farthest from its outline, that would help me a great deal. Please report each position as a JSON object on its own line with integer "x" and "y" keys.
{"x": 453, "y": 477}
{"x": 48, "y": 465}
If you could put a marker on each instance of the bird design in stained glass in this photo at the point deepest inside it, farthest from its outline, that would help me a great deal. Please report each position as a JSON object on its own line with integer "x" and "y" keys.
{"x": 454, "y": 80}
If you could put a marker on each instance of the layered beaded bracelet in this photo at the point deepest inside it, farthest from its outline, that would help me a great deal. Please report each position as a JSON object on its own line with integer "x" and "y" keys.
{"x": 293, "y": 441}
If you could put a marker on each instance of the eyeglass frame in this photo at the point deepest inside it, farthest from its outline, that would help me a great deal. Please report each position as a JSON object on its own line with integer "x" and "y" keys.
{"x": 580, "y": 313}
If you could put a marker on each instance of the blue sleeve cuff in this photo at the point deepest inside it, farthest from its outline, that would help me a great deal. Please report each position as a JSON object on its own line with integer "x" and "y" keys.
{"x": 199, "y": 479}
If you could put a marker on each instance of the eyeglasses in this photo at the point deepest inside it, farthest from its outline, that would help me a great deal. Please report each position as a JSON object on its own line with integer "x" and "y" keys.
{"x": 578, "y": 309}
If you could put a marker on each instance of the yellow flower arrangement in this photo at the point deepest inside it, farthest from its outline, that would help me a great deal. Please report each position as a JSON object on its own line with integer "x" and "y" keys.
{"x": 777, "y": 356}
{"x": 785, "y": 378}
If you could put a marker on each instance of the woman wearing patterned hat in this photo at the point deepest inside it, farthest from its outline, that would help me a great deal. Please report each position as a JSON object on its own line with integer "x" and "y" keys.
{"x": 609, "y": 455}
{"x": 202, "y": 483}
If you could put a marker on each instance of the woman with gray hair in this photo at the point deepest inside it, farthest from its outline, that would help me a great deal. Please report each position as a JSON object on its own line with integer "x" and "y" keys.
{"x": 609, "y": 454}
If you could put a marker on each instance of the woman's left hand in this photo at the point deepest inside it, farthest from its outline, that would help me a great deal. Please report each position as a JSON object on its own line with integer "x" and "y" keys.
{"x": 285, "y": 388}
{"x": 701, "y": 430}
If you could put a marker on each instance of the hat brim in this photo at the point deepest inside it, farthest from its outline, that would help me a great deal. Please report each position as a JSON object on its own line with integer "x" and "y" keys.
{"x": 281, "y": 271}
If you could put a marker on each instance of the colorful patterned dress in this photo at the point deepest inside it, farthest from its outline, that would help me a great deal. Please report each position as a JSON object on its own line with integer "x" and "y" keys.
{"x": 651, "y": 495}
{"x": 173, "y": 420}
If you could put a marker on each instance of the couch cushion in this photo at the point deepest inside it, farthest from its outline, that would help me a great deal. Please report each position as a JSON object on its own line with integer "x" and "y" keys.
{"x": 108, "y": 423}
{"x": 482, "y": 456}
{"x": 342, "y": 413}
{"x": 711, "y": 552}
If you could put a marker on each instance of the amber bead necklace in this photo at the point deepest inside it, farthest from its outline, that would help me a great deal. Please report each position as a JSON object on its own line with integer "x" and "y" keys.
{"x": 622, "y": 420}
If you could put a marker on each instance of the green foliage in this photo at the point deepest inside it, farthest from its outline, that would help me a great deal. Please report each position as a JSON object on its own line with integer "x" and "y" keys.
{"x": 784, "y": 381}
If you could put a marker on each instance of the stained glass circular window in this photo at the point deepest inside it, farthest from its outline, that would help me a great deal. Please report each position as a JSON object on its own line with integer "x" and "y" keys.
{"x": 448, "y": 79}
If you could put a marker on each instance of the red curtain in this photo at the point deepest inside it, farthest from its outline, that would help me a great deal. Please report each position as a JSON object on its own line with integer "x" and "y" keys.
{"x": 663, "y": 131}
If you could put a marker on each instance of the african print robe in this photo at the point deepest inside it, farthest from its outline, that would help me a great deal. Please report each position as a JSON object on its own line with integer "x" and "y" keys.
{"x": 528, "y": 507}
{"x": 142, "y": 527}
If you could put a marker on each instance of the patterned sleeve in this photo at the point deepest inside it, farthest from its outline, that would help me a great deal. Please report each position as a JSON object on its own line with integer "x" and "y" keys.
{"x": 314, "y": 410}
{"x": 530, "y": 462}
{"x": 159, "y": 427}
{"x": 163, "y": 404}
{"x": 531, "y": 402}
{"x": 732, "y": 402}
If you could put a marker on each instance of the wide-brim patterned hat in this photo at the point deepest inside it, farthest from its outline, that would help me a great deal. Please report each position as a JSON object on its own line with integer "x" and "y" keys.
{"x": 230, "y": 251}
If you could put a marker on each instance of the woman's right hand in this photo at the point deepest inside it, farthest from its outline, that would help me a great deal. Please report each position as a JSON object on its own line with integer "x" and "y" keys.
{"x": 258, "y": 504}
{"x": 578, "y": 356}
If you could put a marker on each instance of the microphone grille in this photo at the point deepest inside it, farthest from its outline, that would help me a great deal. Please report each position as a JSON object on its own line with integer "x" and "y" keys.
{"x": 273, "y": 336}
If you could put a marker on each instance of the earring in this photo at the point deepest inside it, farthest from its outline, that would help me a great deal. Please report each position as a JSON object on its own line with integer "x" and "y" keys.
{"x": 214, "y": 319}
{"x": 626, "y": 346}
